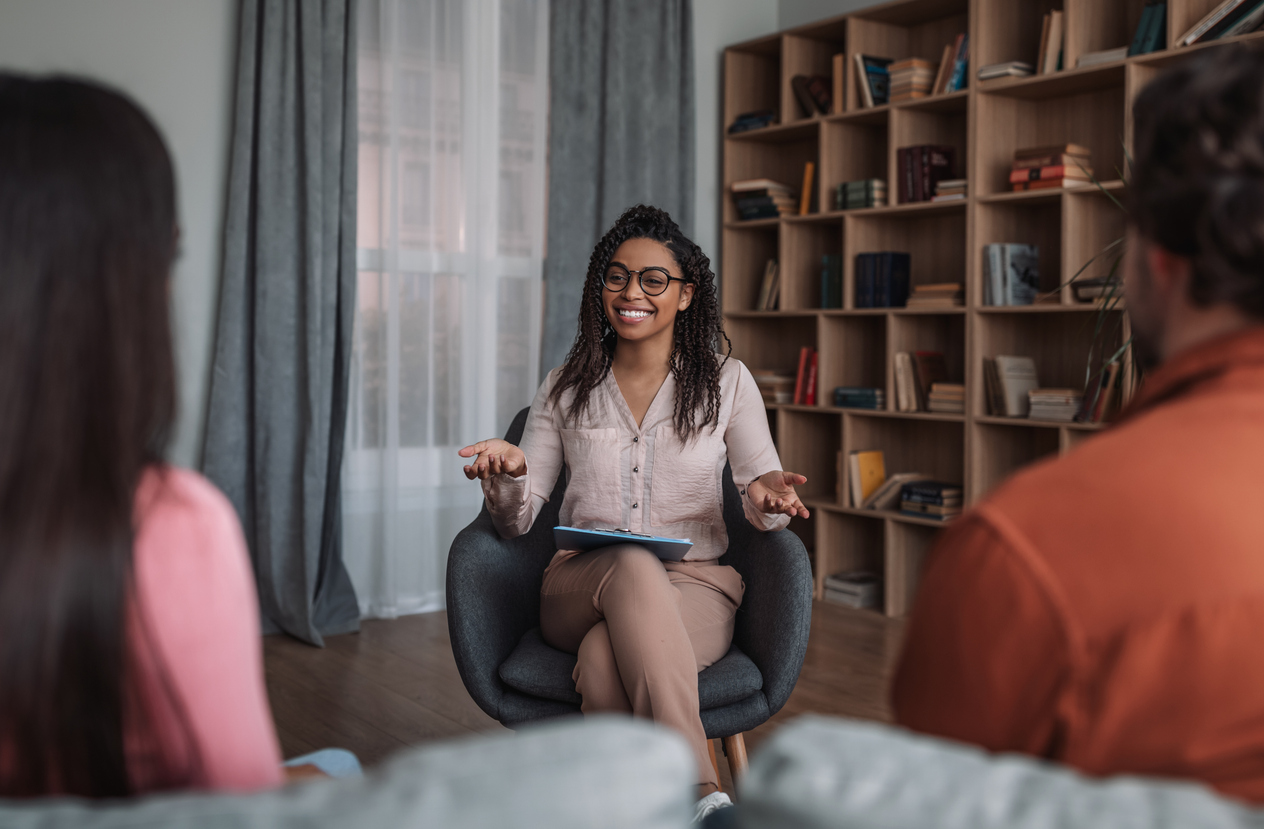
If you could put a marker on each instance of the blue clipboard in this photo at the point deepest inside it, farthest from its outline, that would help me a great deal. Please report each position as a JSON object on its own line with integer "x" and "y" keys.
{"x": 667, "y": 549}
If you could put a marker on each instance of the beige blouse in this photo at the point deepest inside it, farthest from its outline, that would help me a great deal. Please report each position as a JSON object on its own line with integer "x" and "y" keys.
{"x": 641, "y": 478}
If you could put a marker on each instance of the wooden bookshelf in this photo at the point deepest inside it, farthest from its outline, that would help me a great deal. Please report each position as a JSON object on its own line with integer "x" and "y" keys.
{"x": 985, "y": 124}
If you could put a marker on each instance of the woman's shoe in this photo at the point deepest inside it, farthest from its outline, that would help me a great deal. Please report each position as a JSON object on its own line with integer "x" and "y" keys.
{"x": 711, "y": 803}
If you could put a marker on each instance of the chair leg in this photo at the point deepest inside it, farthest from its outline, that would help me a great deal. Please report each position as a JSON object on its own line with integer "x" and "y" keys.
{"x": 735, "y": 750}
{"x": 715, "y": 764}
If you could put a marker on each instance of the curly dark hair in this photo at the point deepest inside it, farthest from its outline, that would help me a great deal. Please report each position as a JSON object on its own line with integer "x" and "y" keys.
{"x": 697, "y": 332}
{"x": 1197, "y": 185}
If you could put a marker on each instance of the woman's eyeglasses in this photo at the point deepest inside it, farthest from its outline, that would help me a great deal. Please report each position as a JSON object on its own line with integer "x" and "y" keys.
{"x": 653, "y": 280}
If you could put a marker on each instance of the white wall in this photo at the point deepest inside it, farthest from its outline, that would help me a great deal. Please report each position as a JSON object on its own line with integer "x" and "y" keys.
{"x": 797, "y": 12}
{"x": 176, "y": 58}
{"x": 717, "y": 24}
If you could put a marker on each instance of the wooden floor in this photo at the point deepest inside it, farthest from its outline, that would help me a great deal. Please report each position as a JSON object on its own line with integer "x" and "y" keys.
{"x": 395, "y": 683}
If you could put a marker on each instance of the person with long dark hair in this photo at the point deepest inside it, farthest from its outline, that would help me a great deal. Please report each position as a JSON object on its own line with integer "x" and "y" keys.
{"x": 643, "y": 415}
{"x": 130, "y": 657}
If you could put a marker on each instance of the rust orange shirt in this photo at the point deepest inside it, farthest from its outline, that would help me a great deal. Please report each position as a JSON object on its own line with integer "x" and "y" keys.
{"x": 1106, "y": 609}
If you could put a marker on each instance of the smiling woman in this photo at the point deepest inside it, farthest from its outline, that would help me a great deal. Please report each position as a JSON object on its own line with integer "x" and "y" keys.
{"x": 644, "y": 416}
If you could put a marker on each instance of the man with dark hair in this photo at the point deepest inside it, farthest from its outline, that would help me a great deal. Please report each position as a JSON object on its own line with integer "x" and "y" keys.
{"x": 1106, "y": 609}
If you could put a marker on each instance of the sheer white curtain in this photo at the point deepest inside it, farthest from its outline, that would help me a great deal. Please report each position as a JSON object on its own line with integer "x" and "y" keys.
{"x": 453, "y": 121}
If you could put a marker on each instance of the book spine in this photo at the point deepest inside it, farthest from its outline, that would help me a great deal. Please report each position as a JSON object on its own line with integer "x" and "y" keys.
{"x": 801, "y": 376}
{"x": 1142, "y": 34}
{"x": 864, "y": 280}
{"x": 882, "y": 281}
{"x": 901, "y": 265}
{"x": 810, "y": 383}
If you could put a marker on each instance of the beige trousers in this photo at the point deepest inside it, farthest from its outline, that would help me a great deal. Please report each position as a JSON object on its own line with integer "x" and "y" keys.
{"x": 642, "y": 629}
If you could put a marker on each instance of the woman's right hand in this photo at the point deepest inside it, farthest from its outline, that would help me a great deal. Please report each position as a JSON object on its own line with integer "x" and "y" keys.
{"x": 492, "y": 457}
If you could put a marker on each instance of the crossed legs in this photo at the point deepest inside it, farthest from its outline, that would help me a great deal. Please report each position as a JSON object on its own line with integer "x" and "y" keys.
{"x": 642, "y": 629}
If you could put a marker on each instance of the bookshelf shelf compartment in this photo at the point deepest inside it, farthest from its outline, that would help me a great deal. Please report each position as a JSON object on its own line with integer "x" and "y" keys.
{"x": 781, "y": 162}
{"x": 852, "y": 151}
{"x": 936, "y": 241}
{"x": 771, "y": 342}
{"x": 746, "y": 252}
{"x": 1005, "y": 450}
{"x": 752, "y": 74}
{"x": 808, "y": 443}
{"x": 934, "y": 448}
{"x": 852, "y": 354}
{"x": 808, "y": 55}
{"x": 908, "y": 544}
{"x": 946, "y": 335}
{"x": 847, "y": 544}
{"x": 1028, "y": 223}
{"x": 803, "y": 245}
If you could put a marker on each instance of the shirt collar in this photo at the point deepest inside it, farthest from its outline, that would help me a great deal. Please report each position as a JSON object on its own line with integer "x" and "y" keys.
{"x": 1194, "y": 366}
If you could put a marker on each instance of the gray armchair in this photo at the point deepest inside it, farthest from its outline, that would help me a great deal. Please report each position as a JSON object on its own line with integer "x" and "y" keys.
{"x": 493, "y": 594}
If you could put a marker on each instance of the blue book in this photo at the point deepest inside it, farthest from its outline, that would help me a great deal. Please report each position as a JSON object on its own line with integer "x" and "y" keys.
{"x": 957, "y": 80}
{"x": 901, "y": 264}
{"x": 573, "y": 538}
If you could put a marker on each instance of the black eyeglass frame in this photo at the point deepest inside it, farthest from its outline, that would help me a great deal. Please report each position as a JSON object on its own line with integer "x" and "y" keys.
{"x": 639, "y": 279}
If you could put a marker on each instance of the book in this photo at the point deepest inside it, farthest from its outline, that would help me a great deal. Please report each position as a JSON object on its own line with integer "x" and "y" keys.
{"x": 1097, "y": 402}
{"x": 809, "y": 392}
{"x": 859, "y": 398}
{"x": 960, "y": 65}
{"x": 1053, "y": 160}
{"x": 1203, "y": 26}
{"x": 867, "y": 472}
{"x": 854, "y": 195}
{"x": 888, "y": 495}
{"x": 1051, "y": 60}
{"x": 1098, "y": 287}
{"x": 774, "y": 387}
{"x": 1009, "y": 69}
{"x": 934, "y": 492}
{"x": 859, "y": 589}
{"x": 905, "y": 385}
{"x": 1078, "y": 150}
{"x": 941, "y": 295}
{"x": 831, "y": 281}
{"x": 866, "y": 268}
{"x": 992, "y": 395}
{"x": 929, "y": 368}
{"x": 805, "y": 195}
{"x": 1059, "y": 405}
{"x": 891, "y": 279}
{"x": 929, "y": 510}
{"x": 840, "y": 82}
{"x": 801, "y": 376}
{"x": 874, "y": 79}
{"x": 760, "y": 184}
{"x": 921, "y": 169}
{"x": 1011, "y": 274}
{"x": 752, "y": 121}
{"x": 1050, "y": 184}
{"x": 910, "y": 79}
{"x": 1247, "y": 21}
{"x": 1016, "y": 376}
{"x": 799, "y": 86}
{"x": 945, "y": 70}
{"x": 762, "y": 302}
{"x": 1044, "y": 44}
{"x": 1153, "y": 18}
{"x": 947, "y": 398}
{"x": 1097, "y": 58}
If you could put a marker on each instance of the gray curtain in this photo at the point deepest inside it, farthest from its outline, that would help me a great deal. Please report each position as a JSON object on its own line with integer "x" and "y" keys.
{"x": 278, "y": 400}
{"x": 621, "y": 132}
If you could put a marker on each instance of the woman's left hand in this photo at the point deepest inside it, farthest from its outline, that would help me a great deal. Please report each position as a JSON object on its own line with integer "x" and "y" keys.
{"x": 773, "y": 493}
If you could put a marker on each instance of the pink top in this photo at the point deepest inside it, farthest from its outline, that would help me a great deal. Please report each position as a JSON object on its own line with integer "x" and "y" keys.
{"x": 196, "y": 594}
{"x": 643, "y": 478}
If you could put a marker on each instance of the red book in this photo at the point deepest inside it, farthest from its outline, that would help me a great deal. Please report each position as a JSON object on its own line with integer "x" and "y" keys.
{"x": 805, "y": 357}
{"x": 1052, "y": 172}
{"x": 809, "y": 394}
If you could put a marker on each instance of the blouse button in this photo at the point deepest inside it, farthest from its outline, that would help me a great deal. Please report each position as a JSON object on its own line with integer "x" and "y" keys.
{"x": 636, "y": 469}
{"x": 634, "y": 506}
{"x": 636, "y": 440}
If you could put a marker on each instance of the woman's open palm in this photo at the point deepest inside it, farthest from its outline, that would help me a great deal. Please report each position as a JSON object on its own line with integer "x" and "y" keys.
{"x": 492, "y": 457}
{"x": 773, "y": 493}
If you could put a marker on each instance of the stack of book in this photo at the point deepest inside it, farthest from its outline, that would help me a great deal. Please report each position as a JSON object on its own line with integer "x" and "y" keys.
{"x": 1009, "y": 69}
{"x": 950, "y": 189}
{"x": 805, "y": 378}
{"x": 1100, "y": 399}
{"x": 1060, "y": 165}
{"x": 911, "y": 78}
{"x": 860, "y": 397}
{"x": 1054, "y": 404}
{"x": 856, "y": 195}
{"x": 1098, "y": 58}
{"x": 887, "y": 496}
{"x": 882, "y": 279}
{"x": 763, "y": 198}
{"x": 937, "y": 295}
{"x": 769, "y": 288}
{"x": 1151, "y": 33}
{"x": 873, "y": 76}
{"x": 916, "y": 374}
{"x": 1097, "y": 287}
{"x": 773, "y": 386}
{"x": 1011, "y": 274}
{"x": 947, "y": 398}
{"x": 1006, "y": 380}
{"x": 1232, "y": 17}
{"x": 859, "y": 589}
{"x": 832, "y": 281}
{"x": 932, "y": 499}
{"x": 752, "y": 121}
{"x": 921, "y": 168}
